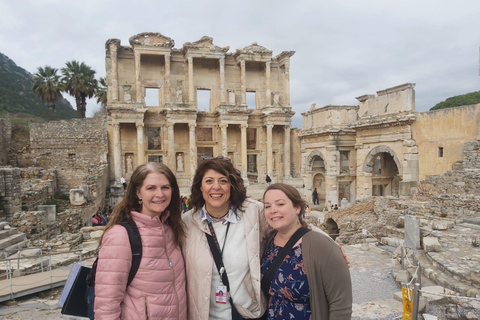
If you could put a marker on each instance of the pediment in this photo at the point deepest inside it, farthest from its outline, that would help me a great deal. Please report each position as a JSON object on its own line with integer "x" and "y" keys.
{"x": 205, "y": 44}
{"x": 152, "y": 39}
{"x": 255, "y": 48}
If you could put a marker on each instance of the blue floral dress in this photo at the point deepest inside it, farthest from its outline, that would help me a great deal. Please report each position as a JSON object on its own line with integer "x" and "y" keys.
{"x": 289, "y": 290}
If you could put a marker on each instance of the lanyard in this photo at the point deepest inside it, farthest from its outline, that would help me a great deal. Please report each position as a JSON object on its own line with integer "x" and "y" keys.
{"x": 212, "y": 231}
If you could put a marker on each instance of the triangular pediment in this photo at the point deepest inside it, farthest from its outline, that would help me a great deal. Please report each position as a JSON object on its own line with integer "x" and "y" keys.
{"x": 153, "y": 39}
{"x": 205, "y": 44}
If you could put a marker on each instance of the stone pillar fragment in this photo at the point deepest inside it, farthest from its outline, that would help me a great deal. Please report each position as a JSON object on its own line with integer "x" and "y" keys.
{"x": 286, "y": 158}
{"x": 243, "y": 82}
{"x": 114, "y": 70}
{"x": 287, "y": 83}
{"x": 223, "y": 128}
{"x": 191, "y": 94}
{"x": 117, "y": 151}
{"x": 244, "y": 150}
{"x": 171, "y": 162}
{"x": 223, "y": 98}
{"x": 269, "y": 149}
{"x": 268, "y": 93}
{"x": 140, "y": 144}
{"x": 138, "y": 83}
{"x": 193, "y": 148}
{"x": 168, "y": 95}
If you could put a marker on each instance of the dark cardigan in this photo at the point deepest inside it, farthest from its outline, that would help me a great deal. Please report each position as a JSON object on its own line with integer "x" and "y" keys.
{"x": 328, "y": 277}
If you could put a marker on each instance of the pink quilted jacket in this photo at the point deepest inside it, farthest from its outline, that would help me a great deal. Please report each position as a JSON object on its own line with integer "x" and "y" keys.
{"x": 158, "y": 289}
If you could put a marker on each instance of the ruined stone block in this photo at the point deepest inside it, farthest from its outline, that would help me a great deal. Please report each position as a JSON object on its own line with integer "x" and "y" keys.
{"x": 77, "y": 197}
{"x": 431, "y": 244}
{"x": 51, "y": 211}
{"x": 443, "y": 225}
{"x": 412, "y": 232}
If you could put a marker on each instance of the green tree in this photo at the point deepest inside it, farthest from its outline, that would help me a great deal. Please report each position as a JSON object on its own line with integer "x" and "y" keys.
{"x": 79, "y": 81}
{"x": 101, "y": 92}
{"x": 47, "y": 85}
{"x": 460, "y": 100}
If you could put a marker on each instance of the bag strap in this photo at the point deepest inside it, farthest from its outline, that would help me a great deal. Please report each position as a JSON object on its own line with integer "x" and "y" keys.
{"x": 136, "y": 246}
{"x": 267, "y": 277}
{"x": 217, "y": 257}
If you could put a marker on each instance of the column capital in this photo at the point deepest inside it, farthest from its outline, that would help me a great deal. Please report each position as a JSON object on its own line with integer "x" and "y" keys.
{"x": 288, "y": 127}
{"x": 116, "y": 125}
{"x": 244, "y": 126}
{"x": 192, "y": 125}
{"x": 140, "y": 124}
{"x": 223, "y": 126}
{"x": 269, "y": 126}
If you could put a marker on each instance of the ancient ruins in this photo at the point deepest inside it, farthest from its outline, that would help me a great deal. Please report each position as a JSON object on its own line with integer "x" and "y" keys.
{"x": 380, "y": 161}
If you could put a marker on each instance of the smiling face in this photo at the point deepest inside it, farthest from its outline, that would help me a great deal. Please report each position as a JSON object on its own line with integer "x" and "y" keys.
{"x": 280, "y": 212}
{"x": 216, "y": 192}
{"x": 156, "y": 194}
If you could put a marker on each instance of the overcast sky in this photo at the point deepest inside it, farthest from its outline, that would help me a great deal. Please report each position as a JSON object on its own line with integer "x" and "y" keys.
{"x": 344, "y": 49}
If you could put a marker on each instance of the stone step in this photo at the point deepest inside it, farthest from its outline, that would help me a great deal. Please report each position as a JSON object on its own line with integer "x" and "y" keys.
{"x": 12, "y": 240}
{"x": 15, "y": 247}
{"x": 7, "y": 233}
{"x": 440, "y": 277}
{"x": 3, "y": 224}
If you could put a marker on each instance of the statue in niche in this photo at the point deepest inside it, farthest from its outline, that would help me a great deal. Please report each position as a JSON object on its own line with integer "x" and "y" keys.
{"x": 127, "y": 97}
{"x": 180, "y": 161}
{"x": 129, "y": 164}
{"x": 231, "y": 97}
{"x": 276, "y": 99}
{"x": 179, "y": 95}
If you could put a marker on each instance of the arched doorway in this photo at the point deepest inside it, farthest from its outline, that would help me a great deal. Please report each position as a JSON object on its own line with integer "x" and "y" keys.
{"x": 384, "y": 166}
{"x": 318, "y": 176}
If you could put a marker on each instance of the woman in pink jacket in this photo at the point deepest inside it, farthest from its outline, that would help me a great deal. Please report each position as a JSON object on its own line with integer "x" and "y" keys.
{"x": 157, "y": 291}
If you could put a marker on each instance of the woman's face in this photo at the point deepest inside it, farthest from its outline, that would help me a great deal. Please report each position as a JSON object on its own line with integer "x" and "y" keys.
{"x": 156, "y": 194}
{"x": 280, "y": 212}
{"x": 216, "y": 192}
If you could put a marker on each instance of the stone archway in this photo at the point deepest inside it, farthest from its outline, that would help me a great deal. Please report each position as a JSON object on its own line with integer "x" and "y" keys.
{"x": 319, "y": 183}
{"x": 316, "y": 165}
{"x": 385, "y": 169}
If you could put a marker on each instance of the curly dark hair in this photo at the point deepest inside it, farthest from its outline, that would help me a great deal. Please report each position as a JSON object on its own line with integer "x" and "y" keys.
{"x": 223, "y": 166}
{"x": 121, "y": 212}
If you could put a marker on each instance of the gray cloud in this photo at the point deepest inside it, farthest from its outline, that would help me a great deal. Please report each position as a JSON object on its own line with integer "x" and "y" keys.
{"x": 343, "y": 49}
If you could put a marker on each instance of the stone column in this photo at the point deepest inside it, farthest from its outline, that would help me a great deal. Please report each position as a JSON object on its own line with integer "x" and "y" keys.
{"x": 140, "y": 144}
{"x": 191, "y": 94}
{"x": 244, "y": 150}
{"x": 114, "y": 61}
{"x": 117, "y": 151}
{"x": 223, "y": 99}
{"x": 223, "y": 127}
{"x": 287, "y": 83}
{"x": 286, "y": 158}
{"x": 193, "y": 149}
{"x": 168, "y": 96}
{"x": 138, "y": 83}
{"x": 268, "y": 93}
{"x": 269, "y": 149}
{"x": 243, "y": 82}
{"x": 171, "y": 146}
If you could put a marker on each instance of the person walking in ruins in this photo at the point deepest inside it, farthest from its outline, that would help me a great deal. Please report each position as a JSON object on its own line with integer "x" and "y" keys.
{"x": 123, "y": 182}
{"x": 315, "y": 197}
{"x": 268, "y": 179}
{"x": 312, "y": 280}
{"x": 158, "y": 290}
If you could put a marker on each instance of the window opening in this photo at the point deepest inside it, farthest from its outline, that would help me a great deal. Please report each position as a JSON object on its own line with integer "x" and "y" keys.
{"x": 152, "y": 97}
{"x": 203, "y": 100}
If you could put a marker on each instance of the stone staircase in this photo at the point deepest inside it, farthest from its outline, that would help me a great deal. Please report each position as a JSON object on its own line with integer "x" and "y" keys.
{"x": 11, "y": 240}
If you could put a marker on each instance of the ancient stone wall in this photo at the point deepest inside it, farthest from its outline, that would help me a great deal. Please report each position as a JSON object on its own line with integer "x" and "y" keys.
{"x": 77, "y": 149}
{"x": 5, "y": 138}
{"x": 34, "y": 224}
{"x": 440, "y": 136}
{"x": 10, "y": 192}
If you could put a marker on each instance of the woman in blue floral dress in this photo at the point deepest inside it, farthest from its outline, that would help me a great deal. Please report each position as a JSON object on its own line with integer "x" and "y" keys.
{"x": 313, "y": 281}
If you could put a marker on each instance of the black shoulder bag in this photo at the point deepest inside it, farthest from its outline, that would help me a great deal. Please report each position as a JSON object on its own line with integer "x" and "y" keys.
{"x": 267, "y": 277}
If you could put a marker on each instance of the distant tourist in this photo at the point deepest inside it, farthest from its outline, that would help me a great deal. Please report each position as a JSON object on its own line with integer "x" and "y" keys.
{"x": 268, "y": 179}
{"x": 335, "y": 207}
{"x": 315, "y": 197}
{"x": 123, "y": 182}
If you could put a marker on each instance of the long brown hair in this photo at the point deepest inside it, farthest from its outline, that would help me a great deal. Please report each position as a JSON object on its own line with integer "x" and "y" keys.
{"x": 223, "y": 166}
{"x": 121, "y": 212}
{"x": 294, "y": 196}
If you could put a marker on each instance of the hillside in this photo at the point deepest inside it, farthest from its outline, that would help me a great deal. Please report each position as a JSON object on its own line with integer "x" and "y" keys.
{"x": 16, "y": 95}
{"x": 460, "y": 100}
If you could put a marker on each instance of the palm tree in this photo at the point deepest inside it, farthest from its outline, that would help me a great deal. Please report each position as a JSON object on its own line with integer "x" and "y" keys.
{"x": 47, "y": 85}
{"x": 79, "y": 81}
{"x": 101, "y": 92}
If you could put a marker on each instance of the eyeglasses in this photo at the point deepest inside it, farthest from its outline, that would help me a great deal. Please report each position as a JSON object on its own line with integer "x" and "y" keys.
{"x": 217, "y": 158}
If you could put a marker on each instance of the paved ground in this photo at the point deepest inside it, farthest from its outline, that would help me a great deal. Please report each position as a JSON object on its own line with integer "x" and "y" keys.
{"x": 373, "y": 289}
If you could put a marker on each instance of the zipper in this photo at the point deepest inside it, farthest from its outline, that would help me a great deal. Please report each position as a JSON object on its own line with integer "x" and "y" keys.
{"x": 172, "y": 266}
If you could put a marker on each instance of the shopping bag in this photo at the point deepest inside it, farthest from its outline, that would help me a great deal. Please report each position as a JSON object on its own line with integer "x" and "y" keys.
{"x": 73, "y": 300}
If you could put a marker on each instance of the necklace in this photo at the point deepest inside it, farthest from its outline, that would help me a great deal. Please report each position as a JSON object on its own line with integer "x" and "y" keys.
{"x": 219, "y": 218}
